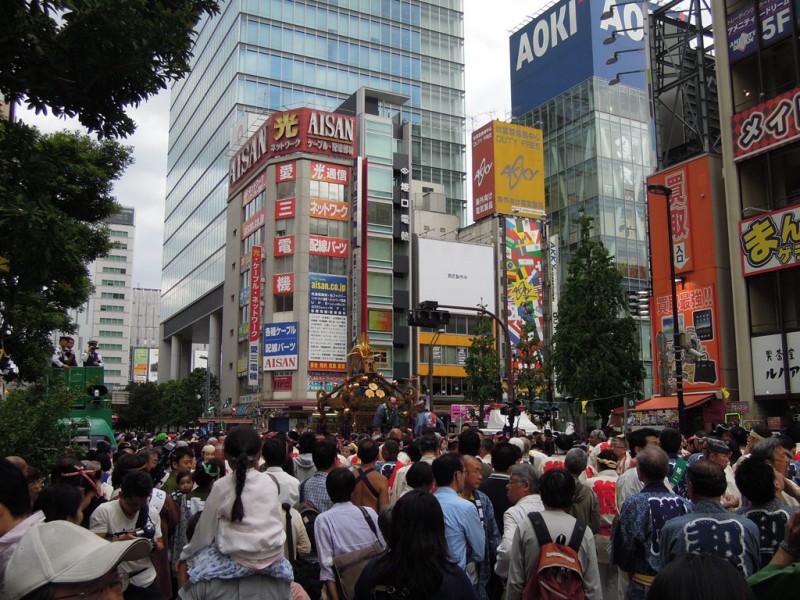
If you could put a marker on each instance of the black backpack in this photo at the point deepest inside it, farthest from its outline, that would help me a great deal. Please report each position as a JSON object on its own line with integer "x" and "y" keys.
{"x": 309, "y": 513}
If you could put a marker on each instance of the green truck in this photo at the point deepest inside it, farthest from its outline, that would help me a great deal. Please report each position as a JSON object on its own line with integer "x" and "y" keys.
{"x": 90, "y": 418}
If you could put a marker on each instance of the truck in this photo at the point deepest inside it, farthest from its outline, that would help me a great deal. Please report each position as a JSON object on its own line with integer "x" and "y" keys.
{"x": 90, "y": 418}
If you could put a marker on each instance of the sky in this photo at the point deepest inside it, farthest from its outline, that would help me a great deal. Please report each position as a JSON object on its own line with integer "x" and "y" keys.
{"x": 487, "y": 25}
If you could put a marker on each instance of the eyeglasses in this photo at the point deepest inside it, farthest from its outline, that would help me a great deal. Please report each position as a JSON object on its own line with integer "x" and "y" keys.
{"x": 116, "y": 585}
{"x": 515, "y": 482}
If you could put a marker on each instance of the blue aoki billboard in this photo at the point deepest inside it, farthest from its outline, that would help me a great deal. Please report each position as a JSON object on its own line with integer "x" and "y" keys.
{"x": 565, "y": 46}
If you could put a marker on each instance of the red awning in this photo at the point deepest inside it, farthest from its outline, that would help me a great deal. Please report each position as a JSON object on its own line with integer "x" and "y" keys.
{"x": 670, "y": 402}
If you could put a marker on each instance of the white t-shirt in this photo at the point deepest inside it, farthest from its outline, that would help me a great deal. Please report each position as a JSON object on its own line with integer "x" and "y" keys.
{"x": 109, "y": 518}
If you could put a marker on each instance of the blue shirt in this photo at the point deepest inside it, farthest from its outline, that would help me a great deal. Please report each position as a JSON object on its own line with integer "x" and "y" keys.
{"x": 314, "y": 489}
{"x": 771, "y": 519}
{"x": 425, "y": 419}
{"x": 462, "y": 527}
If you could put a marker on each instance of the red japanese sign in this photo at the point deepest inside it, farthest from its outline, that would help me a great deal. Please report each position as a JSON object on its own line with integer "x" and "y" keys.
{"x": 317, "y": 365}
{"x": 329, "y": 209}
{"x": 770, "y": 124}
{"x": 328, "y": 246}
{"x": 284, "y": 246}
{"x": 283, "y": 283}
{"x": 284, "y": 209}
{"x": 255, "y": 294}
{"x": 770, "y": 242}
{"x": 281, "y": 383}
{"x": 254, "y": 223}
{"x": 285, "y": 172}
{"x": 321, "y": 171}
{"x": 483, "y": 199}
{"x": 258, "y": 185}
{"x": 244, "y": 262}
{"x": 678, "y": 182}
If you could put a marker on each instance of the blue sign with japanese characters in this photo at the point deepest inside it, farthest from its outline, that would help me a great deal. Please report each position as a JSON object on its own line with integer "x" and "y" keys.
{"x": 328, "y": 295}
{"x": 281, "y": 346}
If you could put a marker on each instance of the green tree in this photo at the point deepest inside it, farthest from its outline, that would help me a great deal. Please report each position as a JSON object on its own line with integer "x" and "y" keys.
{"x": 29, "y": 423}
{"x": 145, "y": 409}
{"x": 93, "y": 60}
{"x": 530, "y": 379}
{"x": 55, "y": 193}
{"x": 482, "y": 367}
{"x": 184, "y": 399}
{"x": 595, "y": 354}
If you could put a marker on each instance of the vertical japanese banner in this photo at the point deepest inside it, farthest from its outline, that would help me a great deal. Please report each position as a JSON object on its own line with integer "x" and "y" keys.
{"x": 254, "y": 359}
{"x": 523, "y": 275}
{"x": 677, "y": 181}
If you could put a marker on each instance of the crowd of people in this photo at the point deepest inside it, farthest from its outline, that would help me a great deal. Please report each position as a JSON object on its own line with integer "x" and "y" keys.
{"x": 397, "y": 515}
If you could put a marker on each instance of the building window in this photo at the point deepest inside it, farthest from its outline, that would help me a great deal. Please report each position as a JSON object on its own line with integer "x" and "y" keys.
{"x": 112, "y": 296}
{"x": 328, "y": 227}
{"x": 284, "y": 264}
{"x": 327, "y": 191}
{"x": 116, "y": 258}
{"x": 380, "y": 213}
{"x": 111, "y": 308}
{"x": 110, "y": 346}
{"x": 113, "y": 282}
{"x": 115, "y": 270}
{"x": 113, "y": 373}
{"x": 327, "y": 264}
{"x": 284, "y": 302}
{"x": 112, "y": 359}
{"x": 107, "y": 321}
{"x": 119, "y": 246}
{"x": 380, "y": 252}
{"x": 379, "y": 285}
{"x": 117, "y": 233}
{"x": 108, "y": 333}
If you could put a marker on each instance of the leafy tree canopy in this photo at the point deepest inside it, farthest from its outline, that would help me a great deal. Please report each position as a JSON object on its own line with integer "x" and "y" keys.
{"x": 595, "y": 351}
{"x": 55, "y": 194}
{"x": 482, "y": 366}
{"x": 93, "y": 59}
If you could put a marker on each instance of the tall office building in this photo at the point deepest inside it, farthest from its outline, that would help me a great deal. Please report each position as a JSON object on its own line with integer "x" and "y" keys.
{"x": 106, "y": 317}
{"x": 577, "y": 73}
{"x": 262, "y": 56}
{"x": 145, "y": 319}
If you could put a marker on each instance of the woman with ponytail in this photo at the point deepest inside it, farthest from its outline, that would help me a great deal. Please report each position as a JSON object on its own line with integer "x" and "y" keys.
{"x": 240, "y": 532}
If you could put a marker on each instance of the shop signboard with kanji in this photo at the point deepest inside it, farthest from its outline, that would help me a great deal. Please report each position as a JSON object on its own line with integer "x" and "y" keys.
{"x": 327, "y": 323}
{"x": 281, "y": 346}
{"x": 770, "y": 241}
{"x": 772, "y": 364}
{"x": 771, "y": 124}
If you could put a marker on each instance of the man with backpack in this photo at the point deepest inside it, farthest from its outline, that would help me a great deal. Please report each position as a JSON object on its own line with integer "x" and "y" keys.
{"x": 550, "y": 544}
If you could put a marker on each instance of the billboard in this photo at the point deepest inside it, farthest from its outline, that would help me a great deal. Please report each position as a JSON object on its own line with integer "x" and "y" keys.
{"x": 281, "y": 346}
{"x": 299, "y": 130}
{"x": 152, "y": 368}
{"x": 770, "y": 242}
{"x": 321, "y": 171}
{"x": 695, "y": 250}
{"x": 329, "y": 209}
{"x": 254, "y": 362}
{"x": 327, "y": 323}
{"x": 328, "y": 246}
{"x": 769, "y": 367}
{"x": 456, "y": 273}
{"x": 507, "y": 170}
{"x": 771, "y": 124}
{"x": 140, "y": 365}
{"x": 523, "y": 250}
{"x": 564, "y": 46}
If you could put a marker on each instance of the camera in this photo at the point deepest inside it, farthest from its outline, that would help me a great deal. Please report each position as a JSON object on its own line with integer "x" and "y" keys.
{"x": 147, "y": 532}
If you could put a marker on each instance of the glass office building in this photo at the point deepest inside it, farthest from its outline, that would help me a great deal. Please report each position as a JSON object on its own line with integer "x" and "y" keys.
{"x": 260, "y": 56}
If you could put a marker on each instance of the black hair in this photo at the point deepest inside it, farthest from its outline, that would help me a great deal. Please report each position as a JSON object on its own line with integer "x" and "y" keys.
{"x": 707, "y": 479}
{"x": 70, "y": 471}
{"x": 274, "y": 451}
{"x": 208, "y": 473}
{"x": 340, "y": 484}
{"x": 179, "y": 453}
{"x": 306, "y": 442}
{"x": 418, "y": 554}
{"x": 739, "y": 435}
{"x": 705, "y": 576}
{"x": 564, "y": 441}
{"x": 242, "y": 446}
{"x": 390, "y": 450}
{"x": 428, "y": 443}
{"x": 126, "y": 464}
{"x": 487, "y": 444}
{"x": 670, "y": 440}
{"x": 182, "y": 475}
{"x": 59, "y": 502}
{"x": 419, "y": 475}
{"x": 469, "y": 442}
{"x": 787, "y": 443}
{"x": 324, "y": 454}
{"x": 14, "y": 491}
{"x": 413, "y": 451}
{"x": 34, "y": 475}
{"x": 504, "y": 455}
{"x": 638, "y": 438}
{"x": 137, "y": 484}
{"x": 445, "y": 468}
{"x": 367, "y": 451}
{"x": 756, "y": 480}
{"x": 557, "y": 488}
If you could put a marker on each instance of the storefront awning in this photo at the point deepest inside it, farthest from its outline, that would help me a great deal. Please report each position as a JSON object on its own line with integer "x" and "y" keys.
{"x": 670, "y": 402}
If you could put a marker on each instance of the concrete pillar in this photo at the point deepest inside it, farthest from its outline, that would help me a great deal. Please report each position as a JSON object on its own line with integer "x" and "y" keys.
{"x": 174, "y": 357}
{"x": 186, "y": 358}
{"x": 214, "y": 343}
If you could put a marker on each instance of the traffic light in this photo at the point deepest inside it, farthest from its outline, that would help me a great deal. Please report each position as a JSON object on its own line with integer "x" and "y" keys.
{"x": 428, "y": 315}
{"x": 638, "y": 303}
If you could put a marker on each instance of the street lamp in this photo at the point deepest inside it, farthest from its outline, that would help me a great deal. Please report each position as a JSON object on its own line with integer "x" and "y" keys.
{"x": 662, "y": 190}
{"x": 617, "y": 79}
{"x": 613, "y": 59}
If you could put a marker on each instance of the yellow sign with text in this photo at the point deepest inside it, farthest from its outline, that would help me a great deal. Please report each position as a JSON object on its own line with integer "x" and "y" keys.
{"x": 519, "y": 170}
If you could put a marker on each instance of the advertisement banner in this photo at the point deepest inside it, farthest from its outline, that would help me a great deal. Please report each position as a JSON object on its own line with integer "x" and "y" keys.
{"x": 244, "y": 262}
{"x": 322, "y": 381}
{"x": 140, "y": 365}
{"x": 380, "y": 320}
{"x": 769, "y": 367}
{"x": 254, "y": 223}
{"x": 281, "y": 346}
{"x": 770, "y": 242}
{"x": 152, "y": 369}
{"x": 329, "y": 209}
{"x": 327, "y": 324}
{"x": 321, "y": 171}
{"x": 508, "y": 170}
{"x": 523, "y": 276}
{"x": 283, "y": 283}
{"x": 677, "y": 181}
{"x": 742, "y": 40}
{"x": 253, "y": 365}
{"x": 244, "y": 297}
{"x": 328, "y": 246}
{"x": 255, "y": 295}
{"x": 771, "y": 124}
{"x": 285, "y": 172}
{"x": 284, "y": 209}
{"x": 258, "y": 185}
{"x": 284, "y": 246}
{"x": 281, "y": 382}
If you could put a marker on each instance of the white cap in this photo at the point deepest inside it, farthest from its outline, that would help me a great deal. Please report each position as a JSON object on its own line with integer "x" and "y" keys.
{"x": 60, "y": 552}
